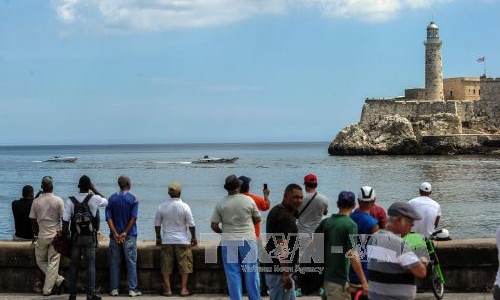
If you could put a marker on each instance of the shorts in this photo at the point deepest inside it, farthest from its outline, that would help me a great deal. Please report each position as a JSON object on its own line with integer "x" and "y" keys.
{"x": 336, "y": 291}
{"x": 181, "y": 254}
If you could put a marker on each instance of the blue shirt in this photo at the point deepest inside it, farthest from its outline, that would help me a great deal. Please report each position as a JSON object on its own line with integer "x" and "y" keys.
{"x": 365, "y": 224}
{"x": 122, "y": 206}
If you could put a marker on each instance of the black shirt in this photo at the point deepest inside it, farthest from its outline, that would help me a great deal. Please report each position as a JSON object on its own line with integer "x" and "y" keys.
{"x": 280, "y": 224}
{"x": 21, "y": 211}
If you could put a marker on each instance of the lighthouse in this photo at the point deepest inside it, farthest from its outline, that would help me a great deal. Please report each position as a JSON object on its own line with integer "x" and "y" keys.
{"x": 433, "y": 64}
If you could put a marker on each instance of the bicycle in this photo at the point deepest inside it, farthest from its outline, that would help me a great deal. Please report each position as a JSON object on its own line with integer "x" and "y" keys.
{"x": 420, "y": 245}
{"x": 434, "y": 272}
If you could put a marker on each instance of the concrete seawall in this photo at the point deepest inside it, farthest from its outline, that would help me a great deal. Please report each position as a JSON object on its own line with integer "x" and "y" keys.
{"x": 469, "y": 265}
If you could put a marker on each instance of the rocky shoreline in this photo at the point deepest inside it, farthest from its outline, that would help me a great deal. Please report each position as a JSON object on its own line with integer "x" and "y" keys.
{"x": 439, "y": 134}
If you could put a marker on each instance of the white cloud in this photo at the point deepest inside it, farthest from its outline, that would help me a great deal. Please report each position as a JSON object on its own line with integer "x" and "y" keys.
{"x": 159, "y": 15}
{"x": 65, "y": 9}
{"x": 368, "y": 10}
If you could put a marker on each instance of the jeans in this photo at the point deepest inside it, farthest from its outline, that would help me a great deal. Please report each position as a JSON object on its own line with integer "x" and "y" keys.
{"x": 238, "y": 256}
{"x": 130, "y": 251}
{"x": 47, "y": 260}
{"x": 276, "y": 290}
{"x": 89, "y": 257}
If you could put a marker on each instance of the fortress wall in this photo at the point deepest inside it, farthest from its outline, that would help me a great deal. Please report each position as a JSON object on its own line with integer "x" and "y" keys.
{"x": 488, "y": 109}
{"x": 374, "y": 110}
{"x": 469, "y": 265}
{"x": 465, "y": 109}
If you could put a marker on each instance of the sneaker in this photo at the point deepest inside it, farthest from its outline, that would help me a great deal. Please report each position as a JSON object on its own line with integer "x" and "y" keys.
{"x": 114, "y": 293}
{"x": 94, "y": 297}
{"x": 321, "y": 292}
{"x": 298, "y": 292}
{"x": 133, "y": 293}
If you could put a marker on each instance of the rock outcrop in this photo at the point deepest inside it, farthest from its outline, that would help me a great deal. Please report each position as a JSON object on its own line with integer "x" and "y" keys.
{"x": 439, "y": 133}
{"x": 391, "y": 135}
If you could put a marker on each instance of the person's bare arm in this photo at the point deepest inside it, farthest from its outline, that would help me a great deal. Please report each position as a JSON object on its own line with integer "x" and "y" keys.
{"x": 419, "y": 270}
{"x": 436, "y": 222}
{"x": 358, "y": 269}
{"x": 215, "y": 227}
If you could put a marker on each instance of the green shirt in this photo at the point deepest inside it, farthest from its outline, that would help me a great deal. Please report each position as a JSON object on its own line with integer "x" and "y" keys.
{"x": 337, "y": 230}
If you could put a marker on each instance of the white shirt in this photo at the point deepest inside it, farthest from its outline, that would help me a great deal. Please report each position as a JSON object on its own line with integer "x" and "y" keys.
{"x": 497, "y": 279}
{"x": 95, "y": 202}
{"x": 309, "y": 220}
{"x": 175, "y": 217}
{"x": 429, "y": 210}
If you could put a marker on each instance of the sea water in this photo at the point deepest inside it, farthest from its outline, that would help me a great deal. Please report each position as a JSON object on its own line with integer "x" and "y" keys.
{"x": 467, "y": 187}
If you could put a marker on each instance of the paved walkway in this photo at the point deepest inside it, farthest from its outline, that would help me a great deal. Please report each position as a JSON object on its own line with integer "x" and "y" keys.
{"x": 424, "y": 296}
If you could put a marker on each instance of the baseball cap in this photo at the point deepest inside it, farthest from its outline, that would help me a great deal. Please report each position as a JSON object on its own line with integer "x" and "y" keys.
{"x": 232, "y": 182}
{"x": 346, "y": 199}
{"x": 426, "y": 187}
{"x": 367, "y": 193}
{"x": 403, "y": 209}
{"x": 310, "y": 178}
{"x": 175, "y": 186}
{"x": 245, "y": 183}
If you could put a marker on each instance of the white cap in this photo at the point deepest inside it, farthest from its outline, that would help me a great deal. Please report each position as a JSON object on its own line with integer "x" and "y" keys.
{"x": 367, "y": 193}
{"x": 426, "y": 187}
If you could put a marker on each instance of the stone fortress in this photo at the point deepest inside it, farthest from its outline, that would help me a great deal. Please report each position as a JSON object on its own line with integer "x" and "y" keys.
{"x": 449, "y": 116}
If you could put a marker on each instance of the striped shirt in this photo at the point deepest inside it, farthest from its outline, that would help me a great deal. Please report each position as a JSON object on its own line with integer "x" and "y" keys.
{"x": 389, "y": 259}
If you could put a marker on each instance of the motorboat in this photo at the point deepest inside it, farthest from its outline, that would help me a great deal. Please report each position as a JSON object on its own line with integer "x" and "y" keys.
{"x": 62, "y": 159}
{"x": 215, "y": 160}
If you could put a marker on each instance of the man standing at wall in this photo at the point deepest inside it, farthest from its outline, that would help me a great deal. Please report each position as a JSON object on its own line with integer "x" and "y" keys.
{"x": 314, "y": 206}
{"x": 340, "y": 252}
{"x": 367, "y": 225}
{"x": 238, "y": 213}
{"x": 392, "y": 266}
{"x": 175, "y": 233}
{"x": 262, "y": 203}
{"x": 21, "y": 211}
{"x": 121, "y": 215}
{"x": 281, "y": 235}
{"x": 429, "y": 209}
{"x": 84, "y": 239}
{"x": 46, "y": 213}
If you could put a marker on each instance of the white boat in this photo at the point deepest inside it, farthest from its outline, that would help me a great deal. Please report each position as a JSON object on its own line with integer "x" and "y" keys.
{"x": 62, "y": 159}
{"x": 215, "y": 160}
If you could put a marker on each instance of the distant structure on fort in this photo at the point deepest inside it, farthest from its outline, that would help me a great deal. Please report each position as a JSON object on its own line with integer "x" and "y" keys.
{"x": 433, "y": 64}
{"x": 448, "y": 116}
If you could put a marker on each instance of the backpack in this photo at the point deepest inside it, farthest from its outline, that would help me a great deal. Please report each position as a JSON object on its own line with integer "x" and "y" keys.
{"x": 82, "y": 222}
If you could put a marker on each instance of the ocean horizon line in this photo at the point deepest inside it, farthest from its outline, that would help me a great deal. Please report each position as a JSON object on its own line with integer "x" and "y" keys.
{"x": 165, "y": 144}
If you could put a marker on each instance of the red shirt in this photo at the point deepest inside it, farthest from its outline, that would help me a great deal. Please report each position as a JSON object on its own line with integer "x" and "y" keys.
{"x": 262, "y": 205}
{"x": 379, "y": 213}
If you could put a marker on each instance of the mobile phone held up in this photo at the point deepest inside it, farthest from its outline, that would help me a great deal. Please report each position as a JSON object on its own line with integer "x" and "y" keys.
{"x": 265, "y": 186}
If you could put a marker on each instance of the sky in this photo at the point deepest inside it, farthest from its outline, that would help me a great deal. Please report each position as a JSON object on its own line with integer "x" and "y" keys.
{"x": 221, "y": 71}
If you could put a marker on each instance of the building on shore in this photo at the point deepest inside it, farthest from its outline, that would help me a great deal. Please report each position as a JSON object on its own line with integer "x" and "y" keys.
{"x": 461, "y": 112}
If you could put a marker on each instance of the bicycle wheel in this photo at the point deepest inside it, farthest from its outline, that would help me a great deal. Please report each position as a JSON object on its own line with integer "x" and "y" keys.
{"x": 436, "y": 283}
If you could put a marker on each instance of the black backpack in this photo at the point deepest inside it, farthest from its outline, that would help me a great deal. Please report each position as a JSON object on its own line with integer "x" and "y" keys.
{"x": 82, "y": 221}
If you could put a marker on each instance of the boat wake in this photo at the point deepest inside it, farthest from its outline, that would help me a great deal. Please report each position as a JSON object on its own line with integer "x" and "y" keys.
{"x": 174, "y": 162}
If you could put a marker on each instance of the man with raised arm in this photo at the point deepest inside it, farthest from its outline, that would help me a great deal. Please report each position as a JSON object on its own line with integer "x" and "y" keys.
{"x": 84, "y": 205}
